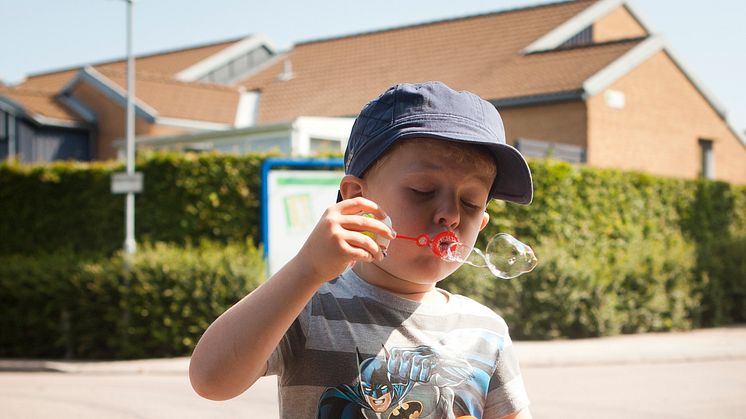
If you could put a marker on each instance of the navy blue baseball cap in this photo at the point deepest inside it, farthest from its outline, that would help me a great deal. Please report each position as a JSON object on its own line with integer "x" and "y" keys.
{"x": 434, "y": 110}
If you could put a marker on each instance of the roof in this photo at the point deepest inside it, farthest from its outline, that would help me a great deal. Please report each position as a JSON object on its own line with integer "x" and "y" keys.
{"x": 40, "y": 106}
{"x": 337, "y": 76}
{"x": 156, "y": 86}
{"x": 165, "y": 97}
{"x": 166, "y": 62}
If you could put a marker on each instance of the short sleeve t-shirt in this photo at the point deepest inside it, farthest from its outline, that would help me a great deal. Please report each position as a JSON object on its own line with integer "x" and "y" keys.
{"x": 357, "y": 351}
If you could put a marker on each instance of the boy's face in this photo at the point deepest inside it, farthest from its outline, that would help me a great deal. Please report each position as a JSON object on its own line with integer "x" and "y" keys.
{"x": 427, "y": 188}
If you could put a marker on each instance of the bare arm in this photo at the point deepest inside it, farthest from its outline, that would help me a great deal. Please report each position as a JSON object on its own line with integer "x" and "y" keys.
{"x": 233, "y": 352}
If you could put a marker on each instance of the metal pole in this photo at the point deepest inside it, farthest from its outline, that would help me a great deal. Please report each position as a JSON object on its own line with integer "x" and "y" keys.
{"x": 130, "y": 246}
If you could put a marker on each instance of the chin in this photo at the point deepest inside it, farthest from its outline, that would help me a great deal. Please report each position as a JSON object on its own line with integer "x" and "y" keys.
{"x": 426, "y": 271}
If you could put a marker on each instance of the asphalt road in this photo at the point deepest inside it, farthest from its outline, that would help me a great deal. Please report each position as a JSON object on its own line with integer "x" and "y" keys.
{"x": 713, "y": 389}
{"x": 693, "y": 374}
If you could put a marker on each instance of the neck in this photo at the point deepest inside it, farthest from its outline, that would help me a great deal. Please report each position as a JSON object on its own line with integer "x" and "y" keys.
{"x": 375, "y": 275}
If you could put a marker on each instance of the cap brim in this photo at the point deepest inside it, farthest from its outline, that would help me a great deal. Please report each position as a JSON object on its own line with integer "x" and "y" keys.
{"x": 513, "y": 182}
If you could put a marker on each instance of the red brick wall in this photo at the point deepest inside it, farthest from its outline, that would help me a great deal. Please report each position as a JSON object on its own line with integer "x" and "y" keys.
{"x": 658, "y": 129}
{"x": 561, "y": 123}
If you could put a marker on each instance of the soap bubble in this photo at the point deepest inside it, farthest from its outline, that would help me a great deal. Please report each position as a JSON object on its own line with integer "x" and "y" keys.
{"x": 505, "y": 256}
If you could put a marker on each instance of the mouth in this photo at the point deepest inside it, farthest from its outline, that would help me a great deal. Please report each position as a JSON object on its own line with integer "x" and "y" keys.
{"x": 378, "y": 404}
{"x": 444, "y": 243}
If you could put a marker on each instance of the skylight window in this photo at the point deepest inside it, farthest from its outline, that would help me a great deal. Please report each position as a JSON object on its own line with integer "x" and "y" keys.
{"x": 584, "y": 37}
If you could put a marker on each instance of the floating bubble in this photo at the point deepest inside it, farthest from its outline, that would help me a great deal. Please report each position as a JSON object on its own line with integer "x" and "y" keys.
{"x": 505, "y": 256}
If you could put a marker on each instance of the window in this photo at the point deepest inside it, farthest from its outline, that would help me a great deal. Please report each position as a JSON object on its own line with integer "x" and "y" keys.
{"x": 707, "y": 158}
{"x": 584, "y": 37}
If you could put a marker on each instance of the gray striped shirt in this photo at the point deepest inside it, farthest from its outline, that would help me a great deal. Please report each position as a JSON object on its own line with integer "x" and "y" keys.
{"x": 357, "y": 351}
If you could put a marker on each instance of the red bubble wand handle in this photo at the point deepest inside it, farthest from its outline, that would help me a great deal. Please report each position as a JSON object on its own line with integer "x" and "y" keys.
{"x": 440, "y": 245}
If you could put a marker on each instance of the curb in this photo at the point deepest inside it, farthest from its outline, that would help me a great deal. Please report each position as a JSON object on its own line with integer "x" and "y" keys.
{"x": 165, "y": 366}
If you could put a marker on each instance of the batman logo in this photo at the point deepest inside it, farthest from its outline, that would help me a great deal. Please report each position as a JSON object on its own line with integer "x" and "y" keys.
{"x": 407, "y": 410}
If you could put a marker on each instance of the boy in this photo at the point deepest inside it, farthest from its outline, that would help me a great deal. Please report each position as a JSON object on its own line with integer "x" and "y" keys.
{"x": 379, "y": 340}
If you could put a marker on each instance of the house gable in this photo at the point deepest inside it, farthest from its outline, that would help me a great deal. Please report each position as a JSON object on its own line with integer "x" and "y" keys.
{"x": 108, "y": 88}
{"x": 639, "y": 55}
{"x": 659, "y": 125}
{"x": 610, "y": 21}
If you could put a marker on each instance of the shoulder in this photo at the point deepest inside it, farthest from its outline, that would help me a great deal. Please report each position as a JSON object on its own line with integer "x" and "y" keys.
{"x": 477, "y": 314}
{"x": 466, "y": 305}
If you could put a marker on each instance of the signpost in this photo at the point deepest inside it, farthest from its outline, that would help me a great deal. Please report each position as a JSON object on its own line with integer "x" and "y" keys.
{"x": 124, "y": 182}
{"x": 130, "y": 246}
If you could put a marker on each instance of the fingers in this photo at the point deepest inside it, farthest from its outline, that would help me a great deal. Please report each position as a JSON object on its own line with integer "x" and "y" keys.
{"x": 355, "y": 243}
{"x": 343, "y": 235}
{"x": 359, "y": 204}
{"x": 365, "y": 224}
{"x": 410, "y": 365}
{"x": 358, "y": 254}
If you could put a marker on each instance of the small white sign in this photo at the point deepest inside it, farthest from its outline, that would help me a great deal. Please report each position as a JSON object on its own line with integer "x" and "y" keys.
{"x": 615, "y": 99}
{"x": 297, "y": 199}
{"x": 126, "y": 183}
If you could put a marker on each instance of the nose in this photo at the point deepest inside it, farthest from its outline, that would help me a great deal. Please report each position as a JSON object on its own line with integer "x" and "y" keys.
{"x": 447, "y": 213}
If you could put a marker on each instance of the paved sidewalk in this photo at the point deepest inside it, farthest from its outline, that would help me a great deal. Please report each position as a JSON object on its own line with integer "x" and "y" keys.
{"x": 728, "y": 343}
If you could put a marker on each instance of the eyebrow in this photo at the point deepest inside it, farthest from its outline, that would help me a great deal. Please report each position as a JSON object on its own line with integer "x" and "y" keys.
{"x": 421, "y": 166}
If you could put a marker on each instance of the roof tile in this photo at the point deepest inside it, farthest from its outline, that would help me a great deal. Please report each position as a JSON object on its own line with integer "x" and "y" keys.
{"x": 336, "y": 77}
{"x": 39, "y": 103}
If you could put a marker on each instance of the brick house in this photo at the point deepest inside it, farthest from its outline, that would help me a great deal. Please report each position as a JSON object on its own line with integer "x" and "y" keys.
{"x": 584, "y": 81}
{"x": 79, "y": 113}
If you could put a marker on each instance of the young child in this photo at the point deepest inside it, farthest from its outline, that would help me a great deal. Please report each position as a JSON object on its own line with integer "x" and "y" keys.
{"x": 354, "y": 325}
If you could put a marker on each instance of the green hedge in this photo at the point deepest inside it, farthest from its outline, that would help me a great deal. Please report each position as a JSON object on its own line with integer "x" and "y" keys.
{"x": 67, "y": 305}
{"x": 618, "y": 252}
{"x": 67, "y": 205}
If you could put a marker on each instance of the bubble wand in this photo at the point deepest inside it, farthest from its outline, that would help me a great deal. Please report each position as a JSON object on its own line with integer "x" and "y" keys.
{"x": 505, "y": 256}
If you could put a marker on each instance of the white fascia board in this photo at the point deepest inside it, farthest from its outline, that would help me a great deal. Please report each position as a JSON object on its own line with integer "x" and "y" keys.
{"x": 224, "y": 56}
{"x": 572, "y": 26}
{"x": 78, "y": 107}
{"x": 622, "y": 65}
{"x": 54, "y": 122}
{"x": 247, "y": 109}
{"x": 111, "y": 90}
{"x": 191, "y": 124}
{"x": 201, "y": 136}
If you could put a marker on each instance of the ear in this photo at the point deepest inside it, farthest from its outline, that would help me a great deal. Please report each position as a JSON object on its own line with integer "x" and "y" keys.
{"x": 485, "y": 220}
{"x": 351, "y": 186}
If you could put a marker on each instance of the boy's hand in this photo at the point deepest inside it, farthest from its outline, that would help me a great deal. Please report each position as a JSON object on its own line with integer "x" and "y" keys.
{"x": 337, "y": 239}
